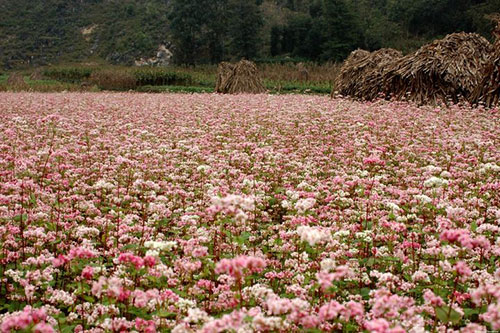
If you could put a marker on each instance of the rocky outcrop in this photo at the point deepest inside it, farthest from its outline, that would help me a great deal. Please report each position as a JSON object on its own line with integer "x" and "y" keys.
{"x": 163, "y": 58}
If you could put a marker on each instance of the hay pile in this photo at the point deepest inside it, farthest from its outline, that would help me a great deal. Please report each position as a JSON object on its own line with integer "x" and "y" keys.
{"x": 370, "y": 85}
{"x": 449, "y": 69}
{"x": 242, "y": 77}
{"x": 350, "y": 72}
{"x": 16, "y": 80}
{"x": 224, "y": 71}
{"x": 487, "y": 92}
{"x": 36, "y": 75}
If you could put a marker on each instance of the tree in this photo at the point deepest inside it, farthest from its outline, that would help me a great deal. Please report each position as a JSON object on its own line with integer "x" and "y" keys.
{"x": 244, "y": 24}
{"x": 296, "y": 34}
{"x": 276, "y": 33}
{"x": 187, "y": 19}
{"x": 217, "y": 29}
{"x": 341, "y": 33}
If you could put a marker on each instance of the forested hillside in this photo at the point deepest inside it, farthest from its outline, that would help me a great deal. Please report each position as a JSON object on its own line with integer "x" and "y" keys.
{"x": 38, "y": 32}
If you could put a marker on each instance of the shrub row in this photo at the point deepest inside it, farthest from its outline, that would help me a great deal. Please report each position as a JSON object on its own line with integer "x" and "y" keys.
{"x": 68, "y": 74}
{"x": 119, "y": 78}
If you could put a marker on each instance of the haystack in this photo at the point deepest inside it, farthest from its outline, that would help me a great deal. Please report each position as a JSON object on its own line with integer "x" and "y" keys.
{"x": 243, "y": 78}
{"x": 36, "y": 75}
{"x": 224, "y": 71}
{"x": 350, "y": 72}
{"x": 487, "y": 92}
{"x": 445, "y": 70}
{"x": 369, "y": 86}
{"x": 16, "y": 80}
{"x": 361, "y": 73}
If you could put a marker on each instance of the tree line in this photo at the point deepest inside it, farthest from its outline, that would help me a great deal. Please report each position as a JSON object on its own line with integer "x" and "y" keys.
{"x": 38, "y": 32}
{"x": 316, "y": 30}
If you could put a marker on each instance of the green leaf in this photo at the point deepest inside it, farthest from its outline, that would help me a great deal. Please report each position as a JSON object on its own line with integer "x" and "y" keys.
{"x": 370, "y": 262}
{"x": 89, "y": 299}
{"x": 68, "y": 329}
{"x": 18, "y": 218}
{"x": 442, "y": 315}
{"x": 130, "y": 247}
{"x": 165, "y": 314}
{"x": 470, "y": 312}
{"x": 365, "y": 293}
{"x": 243, "y": 237}
{"x": 473, "y": 226}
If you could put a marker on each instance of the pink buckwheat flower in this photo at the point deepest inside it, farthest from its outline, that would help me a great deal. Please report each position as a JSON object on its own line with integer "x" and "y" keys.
{"x": 88, "y": 273}
{"x": 240, "y": 266}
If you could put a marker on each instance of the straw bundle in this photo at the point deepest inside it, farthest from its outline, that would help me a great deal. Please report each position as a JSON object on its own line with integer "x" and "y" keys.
{"x": 224, "y": 71}
{"x": 488, "y": 91}
{"x": 369, "y": 86}
{"x": 243, "y": 78}
{"x": 16, "y": 80}
{"x": 446, "y": 69}
{"x": 351, "y": 71}
{"x": 36, "y": 75}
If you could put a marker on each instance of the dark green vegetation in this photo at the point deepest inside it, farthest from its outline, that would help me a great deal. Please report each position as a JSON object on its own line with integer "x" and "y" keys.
{"x": 40, "y": 32}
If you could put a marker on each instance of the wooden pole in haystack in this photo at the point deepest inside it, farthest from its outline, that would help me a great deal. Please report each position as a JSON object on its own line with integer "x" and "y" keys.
{"x": 242, "y": 78}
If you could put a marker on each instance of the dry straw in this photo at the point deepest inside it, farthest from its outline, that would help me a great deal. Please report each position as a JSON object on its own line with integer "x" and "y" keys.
{"x": 445, "y": 70}
{"x": 36, "y": 75}
{"x": 488, "y": 90}
{"x": 350, "y": 72}
{"x": 16, "y": 80}
{"x": 242, "y": 77}
{"x": 303, "y": 73}
{"x": 224, "y": 71}
{"x": 361, "y": 74}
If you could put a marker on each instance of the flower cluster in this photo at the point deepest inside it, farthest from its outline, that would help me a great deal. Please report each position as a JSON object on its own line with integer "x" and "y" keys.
{"x": 247, "y": 213}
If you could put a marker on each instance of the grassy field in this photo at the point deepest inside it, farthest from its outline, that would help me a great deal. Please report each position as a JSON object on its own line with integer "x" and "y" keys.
{"x": 277, "y": 78}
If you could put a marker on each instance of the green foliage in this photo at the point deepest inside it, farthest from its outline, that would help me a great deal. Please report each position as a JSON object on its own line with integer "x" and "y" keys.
{"x": 447, "y": 315}
{"x": 72, "y": 74}
{"x": 244, "y": 24}
{"x": 210, "y": 31}
{"x": 341, "y": 33}
{"x": 187, "y": 21}
{"x": 40, "y": 32}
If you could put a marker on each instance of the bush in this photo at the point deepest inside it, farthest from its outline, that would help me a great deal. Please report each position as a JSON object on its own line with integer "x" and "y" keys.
{"x": 68, "y": 74}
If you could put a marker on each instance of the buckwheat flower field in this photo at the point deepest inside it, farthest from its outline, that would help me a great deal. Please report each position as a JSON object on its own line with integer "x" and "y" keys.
{"x": 209, "y": 213}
